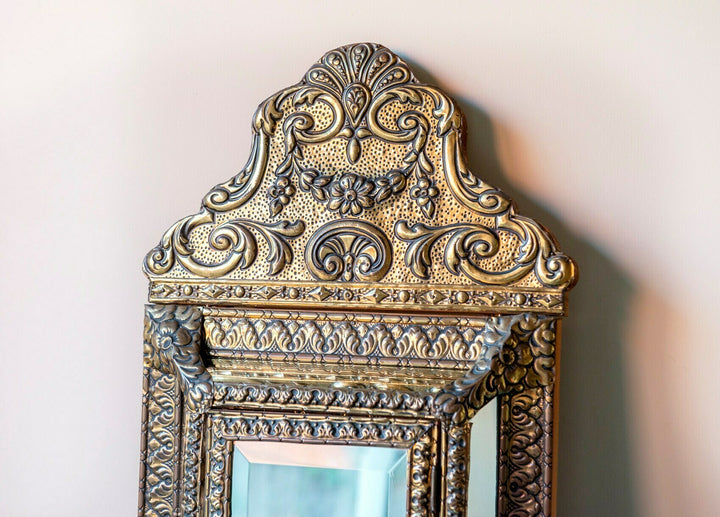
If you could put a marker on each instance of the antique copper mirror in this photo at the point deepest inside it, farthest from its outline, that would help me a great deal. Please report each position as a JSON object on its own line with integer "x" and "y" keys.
{"x": 322, "y": 334}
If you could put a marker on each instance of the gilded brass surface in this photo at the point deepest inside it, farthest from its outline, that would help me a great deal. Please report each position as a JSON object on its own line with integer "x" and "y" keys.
{"x": 348, "y": 337}
{"x": 525, "y": 452}
{"x": 359, "y": 169}
{"x": 353, "y": 284}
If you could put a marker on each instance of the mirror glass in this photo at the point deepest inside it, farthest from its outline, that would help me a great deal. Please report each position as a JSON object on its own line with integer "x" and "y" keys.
{"x": 483, "y": 461}
{"x": 307, "y": 480}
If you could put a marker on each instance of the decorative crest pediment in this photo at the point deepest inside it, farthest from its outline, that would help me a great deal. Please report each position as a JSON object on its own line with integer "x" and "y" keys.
{"x": 357, "y": 195}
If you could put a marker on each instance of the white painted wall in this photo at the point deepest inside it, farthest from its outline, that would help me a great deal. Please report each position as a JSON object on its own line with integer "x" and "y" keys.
{"x": 600, "y": 117}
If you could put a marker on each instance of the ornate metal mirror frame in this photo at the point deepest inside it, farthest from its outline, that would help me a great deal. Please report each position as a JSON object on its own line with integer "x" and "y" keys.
{"x": 354, "y": 284}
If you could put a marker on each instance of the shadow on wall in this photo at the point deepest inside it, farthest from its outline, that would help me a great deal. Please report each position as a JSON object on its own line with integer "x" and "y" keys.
{"x": 595, "y": 474}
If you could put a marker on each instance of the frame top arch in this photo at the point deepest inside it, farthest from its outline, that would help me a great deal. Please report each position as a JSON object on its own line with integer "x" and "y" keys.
{"x": 357, "y": 196}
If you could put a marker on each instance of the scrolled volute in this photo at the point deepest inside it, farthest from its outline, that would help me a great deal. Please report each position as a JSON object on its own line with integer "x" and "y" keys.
{"x": 233, "y": 238}
{"x": 349, "y": 251}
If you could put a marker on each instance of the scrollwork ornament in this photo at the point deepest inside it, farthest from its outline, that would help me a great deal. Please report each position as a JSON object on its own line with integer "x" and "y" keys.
{"x": 234, "y": 238}
{"x": 366, "y": 98}
{"x": 353, "y": 84}
{"x": 348, "y": 251}
{"x": 525, "y": 358}
{"x": 468, "y": 243}
{"x": 537, "y": 247}
{"x": 355, "y": 95}
{"x": 174, "y": 245}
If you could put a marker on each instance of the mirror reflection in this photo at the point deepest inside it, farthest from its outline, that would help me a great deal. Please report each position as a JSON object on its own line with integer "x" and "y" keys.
{"x": 307, "y": 480}
{"x": 483, "y": 461}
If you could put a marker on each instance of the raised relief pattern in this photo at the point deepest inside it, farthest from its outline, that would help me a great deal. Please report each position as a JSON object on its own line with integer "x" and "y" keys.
{"x": 160, "y": 449}
{"x": 356, "y": 133}
{"x": 351, "y": 251}
{"x": 254, "y": 394}
{"x": 172, "y": 345}
{"x": 175, "y": 378}
{"x": 374, "y": 296}
{"x": 354, "y": 84}
{"x": 315, "y": 337}
{"x": 526, "y": 361}
{"x": 525, "y": 453}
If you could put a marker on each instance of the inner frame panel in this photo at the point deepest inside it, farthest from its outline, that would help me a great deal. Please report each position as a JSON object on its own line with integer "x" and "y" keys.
{"x": 306, "y": 480}
{"x": 225, "y": 429}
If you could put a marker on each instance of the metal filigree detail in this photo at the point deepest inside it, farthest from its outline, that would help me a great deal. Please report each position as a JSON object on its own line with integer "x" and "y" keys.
{"x": 469, "y": 244}
{"x": 235, "y": 235}
{"x": 525, "y": 453}
{"x": 355, "y": 83}
{"x": 234, "y": 238}
{"x": 175, "y": 377}
{"x": 351, "y": 193}
{"x": 458, "y": 461}
{"x": 379, "y": 296}
{"x": 319, "y": 429}
{"x": 420, "y": 483}
{"x": 358, "y": 136}
{"x": 526, "y": 360}
{"x": 348, "y": 251}
{"x": 278, "y": 396}
{"x": 322, "y": 338}
{"x": 175, "y": 244}
{"x": 193, "y": 435}
{"x": 160, "y": 446}
{"x": 554, "y": 269}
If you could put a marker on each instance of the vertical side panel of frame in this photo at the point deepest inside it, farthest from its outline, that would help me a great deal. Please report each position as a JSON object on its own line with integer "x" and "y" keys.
{"x": 525, "y": 453}
{"x": 160, "y": 443}
{"x": 176, "y": 393}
